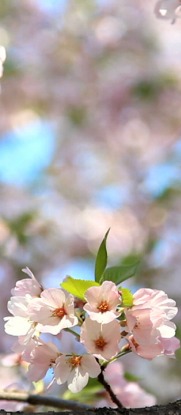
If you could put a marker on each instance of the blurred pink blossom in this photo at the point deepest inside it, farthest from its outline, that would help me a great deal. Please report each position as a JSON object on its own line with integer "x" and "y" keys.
{"x": 130, "y": 394}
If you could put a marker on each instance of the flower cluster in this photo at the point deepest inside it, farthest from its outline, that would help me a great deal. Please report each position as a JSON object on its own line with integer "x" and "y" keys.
{"x": 85, "y": 346}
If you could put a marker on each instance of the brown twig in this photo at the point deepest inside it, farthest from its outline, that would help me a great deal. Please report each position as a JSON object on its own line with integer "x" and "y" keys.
{"x": 108, "y": 389}
{"x": 42, "y": 400}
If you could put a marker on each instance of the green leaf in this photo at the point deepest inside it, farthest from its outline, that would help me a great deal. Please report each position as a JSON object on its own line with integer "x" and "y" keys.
{"x": 101, "y": 258}
{"x": 127, "y": 297}
{"x": 77, "y": 287}
{"x": 131, "y": 259}
{"x": 119, "y": 273}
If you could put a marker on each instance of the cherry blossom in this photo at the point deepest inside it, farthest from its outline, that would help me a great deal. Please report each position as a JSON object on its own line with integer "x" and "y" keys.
{"x": 54, "y": 311}
{"x": 102, "y": 340}
{"x": 41, "y": 357}
{"x": 170, "y": 346}
{"x": 146, "y": 349}
{"x": 27, "y": 286}
{"x": 20, "y": 324}
{"x": 149, "y": 324}
{"x": 75, "y": 370}
{"x": 155, "y": 299}
{"x": 102, "y": 302}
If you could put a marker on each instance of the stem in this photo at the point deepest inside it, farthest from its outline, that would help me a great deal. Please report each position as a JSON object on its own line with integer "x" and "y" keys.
{"x": 108, "y": 389}
{"x": 120, "y": 354}
{"x": 42, "y": 400}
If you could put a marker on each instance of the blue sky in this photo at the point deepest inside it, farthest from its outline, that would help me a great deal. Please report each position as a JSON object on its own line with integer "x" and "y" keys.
{"x": 26, "y": 153}
{"x": 52, "y": 6}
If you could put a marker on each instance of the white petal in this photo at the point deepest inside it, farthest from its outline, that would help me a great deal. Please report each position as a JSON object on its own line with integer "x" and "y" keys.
{"x": 17, "y": 326}
{"x": 77, "y": 380}
{"x": 167, "y": 330}
{"x": 18, "y": 306}
{"x": 90, "y": 365}
{"x": 62, "y": 370}
{"x": 28, "y": 272}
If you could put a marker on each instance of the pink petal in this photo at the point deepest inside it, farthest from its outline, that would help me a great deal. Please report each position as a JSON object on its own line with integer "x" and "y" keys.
{"x": 55, "y": 297}
{"x": 37, "y": 372}
{"x": 90, "y": 365}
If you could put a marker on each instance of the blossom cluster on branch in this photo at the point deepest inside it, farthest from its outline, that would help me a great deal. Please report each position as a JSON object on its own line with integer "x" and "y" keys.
{"x": 94, "y": 323}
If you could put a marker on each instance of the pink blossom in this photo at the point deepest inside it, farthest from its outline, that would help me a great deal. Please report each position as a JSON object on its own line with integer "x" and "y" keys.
{"x": 155, "y": 299}
{"x": 130, "y": 394}
{"x": 12, "y": 380}
{"x": 102, "y": 340}
{"x": 12, "y": 359}
{"x": 148, "y": 350}
{"x": 54, "y": 311}
{"x": 148, "y": 322}
{"x": 170, "y": 346}
{"x": 41, "y": 357}
{"x": 20, "y": 324}
{"x": 27, "y": 285}
{"x": 102, "y": 302}
{"x": 75, "y": 370}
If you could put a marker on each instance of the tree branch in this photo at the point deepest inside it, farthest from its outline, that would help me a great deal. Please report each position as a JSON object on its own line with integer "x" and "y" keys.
{"x": 173, "y": 408}
{"x": 42, "y": 400}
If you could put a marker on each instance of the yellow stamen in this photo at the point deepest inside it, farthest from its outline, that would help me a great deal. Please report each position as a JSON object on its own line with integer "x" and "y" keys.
{"x": 75, "y": 361}
{"x": 103, "y": 306}
{"x": 59, "y": 312}
{"x": 100, "y": 343}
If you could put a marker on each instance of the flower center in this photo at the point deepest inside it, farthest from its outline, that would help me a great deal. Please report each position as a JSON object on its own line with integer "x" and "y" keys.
{"x": 75, "y": 361}
{"x": 100, "y": 343}
{"x": 59, "y": 312}
{"x": 103, "y": 306}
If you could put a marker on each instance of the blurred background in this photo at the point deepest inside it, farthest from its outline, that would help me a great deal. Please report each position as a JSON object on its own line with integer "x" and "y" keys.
{"x": 90, "y": 138}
